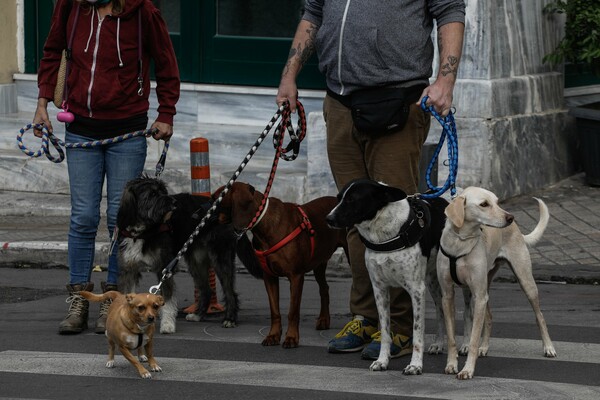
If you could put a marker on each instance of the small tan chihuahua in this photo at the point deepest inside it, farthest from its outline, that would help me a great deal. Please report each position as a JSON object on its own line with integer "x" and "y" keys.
{"x": 130, "y": 325}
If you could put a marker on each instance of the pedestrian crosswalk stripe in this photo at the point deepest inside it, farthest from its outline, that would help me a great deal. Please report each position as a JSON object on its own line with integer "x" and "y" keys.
{"x": 322, "y": 378}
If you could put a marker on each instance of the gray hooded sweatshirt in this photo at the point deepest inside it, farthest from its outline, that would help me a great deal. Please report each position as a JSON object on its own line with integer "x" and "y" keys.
{"x": 370, "y": 43}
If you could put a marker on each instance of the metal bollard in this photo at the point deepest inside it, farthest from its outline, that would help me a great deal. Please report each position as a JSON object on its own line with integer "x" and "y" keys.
{"x": 200, "y": 171}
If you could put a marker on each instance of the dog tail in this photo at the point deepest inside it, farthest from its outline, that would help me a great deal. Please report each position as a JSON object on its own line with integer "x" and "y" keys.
{"x": 245, "y": 253}
{"x": 532, "y": 238}
{"x": 99, "y": 297}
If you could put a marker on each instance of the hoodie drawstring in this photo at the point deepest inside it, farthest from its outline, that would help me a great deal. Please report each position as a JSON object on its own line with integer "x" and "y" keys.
{"x": 87, "y": 45}
{"x": 118, "y": 39}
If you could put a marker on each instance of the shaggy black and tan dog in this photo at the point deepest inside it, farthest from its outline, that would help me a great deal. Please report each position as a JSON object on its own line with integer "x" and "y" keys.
{"x": 153, "y": 227}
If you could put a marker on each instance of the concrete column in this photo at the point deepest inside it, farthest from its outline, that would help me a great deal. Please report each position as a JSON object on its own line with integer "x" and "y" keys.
{"x": 514, "y": 132}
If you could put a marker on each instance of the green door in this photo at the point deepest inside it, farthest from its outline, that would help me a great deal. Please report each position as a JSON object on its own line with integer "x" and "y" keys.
{"x": 247, "y": 42}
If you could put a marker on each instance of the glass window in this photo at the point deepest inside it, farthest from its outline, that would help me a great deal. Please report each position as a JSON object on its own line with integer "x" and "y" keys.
{"x": 259, "y": 18}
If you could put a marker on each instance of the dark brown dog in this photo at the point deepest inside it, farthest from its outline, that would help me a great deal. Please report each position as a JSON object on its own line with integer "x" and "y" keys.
{"x": 309, "y": 250}
{"x": 130, "y": 325}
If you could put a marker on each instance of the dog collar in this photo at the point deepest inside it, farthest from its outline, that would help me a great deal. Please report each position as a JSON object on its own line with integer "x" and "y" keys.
{"x": 411, "y": 231}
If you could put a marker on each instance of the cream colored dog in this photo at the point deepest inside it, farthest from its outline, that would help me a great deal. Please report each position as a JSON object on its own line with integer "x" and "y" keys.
{"x": 477, "y": 239}
{"x": 130, "y": 326}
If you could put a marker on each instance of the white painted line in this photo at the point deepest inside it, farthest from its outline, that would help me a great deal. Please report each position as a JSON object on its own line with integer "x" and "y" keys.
{"x": 47, "y": 246}
{"x": 334, "y": 379}
{"x": 499, "y": 347}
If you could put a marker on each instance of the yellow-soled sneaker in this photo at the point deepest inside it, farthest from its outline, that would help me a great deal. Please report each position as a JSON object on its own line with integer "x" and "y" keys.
{"x": 401, "y": 346}
{"x": 353, "y": 337}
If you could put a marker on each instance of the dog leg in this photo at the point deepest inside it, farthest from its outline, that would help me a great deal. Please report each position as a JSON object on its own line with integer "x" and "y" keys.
{"x": 272, "y": 286}
{"x": 323, "y": 322}
{"x": 168, "y": 315}
{"x": 479, "y": 300}
{"x": 417, "y": 294}
{"x": 143, "y": 372}
{"x": 467, "y": 321}
{"x": 292, "y": 336}
{"x": 487, "y": 332}
{"x": 149, "y": 349}
{"x": 448, "y": 307}
{"x": 225, "y": 271}
{"x": 382, "y": 300}
{"x": 199, "y": 273}
{"x": 525, "y": 277}
{"x": 142, "y": 355}
{"x": 435, "y": 291}
{"x": 111, "y": 354}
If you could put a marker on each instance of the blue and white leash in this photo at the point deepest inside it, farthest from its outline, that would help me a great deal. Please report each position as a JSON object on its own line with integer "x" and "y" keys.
{"x": 449, "y": 132}
{"x": 58, "y": 144}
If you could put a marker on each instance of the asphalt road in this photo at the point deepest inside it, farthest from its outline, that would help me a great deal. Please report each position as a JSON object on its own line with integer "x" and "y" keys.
{"x": 203, "y": 360}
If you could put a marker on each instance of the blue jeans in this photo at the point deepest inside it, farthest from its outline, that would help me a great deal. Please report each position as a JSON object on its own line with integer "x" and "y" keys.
{"x": 118, "y": 162}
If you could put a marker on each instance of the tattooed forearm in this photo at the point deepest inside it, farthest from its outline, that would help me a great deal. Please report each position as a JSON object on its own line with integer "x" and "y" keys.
{"x": 301, "y": 52}
{"x": 451, "y": 67}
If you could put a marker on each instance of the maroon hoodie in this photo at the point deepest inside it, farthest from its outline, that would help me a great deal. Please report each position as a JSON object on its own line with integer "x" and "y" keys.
{"x": 102, "y": 83}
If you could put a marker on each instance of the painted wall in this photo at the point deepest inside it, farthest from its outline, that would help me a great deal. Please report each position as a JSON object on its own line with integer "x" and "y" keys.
{"x": 9, "y": 43}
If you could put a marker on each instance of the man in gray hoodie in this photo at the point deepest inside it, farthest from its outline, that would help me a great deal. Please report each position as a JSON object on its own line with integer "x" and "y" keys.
{"x": 375, "y": 45}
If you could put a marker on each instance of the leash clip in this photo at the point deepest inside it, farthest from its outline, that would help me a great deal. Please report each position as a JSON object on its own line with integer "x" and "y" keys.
{"x": 156, "y": 288}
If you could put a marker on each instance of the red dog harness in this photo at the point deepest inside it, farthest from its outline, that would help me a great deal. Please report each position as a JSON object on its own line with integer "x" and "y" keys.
{"x": 304, "y": 225}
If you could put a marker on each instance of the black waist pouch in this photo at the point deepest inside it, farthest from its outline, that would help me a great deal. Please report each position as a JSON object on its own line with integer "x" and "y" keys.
{"x": 382, "y": 110}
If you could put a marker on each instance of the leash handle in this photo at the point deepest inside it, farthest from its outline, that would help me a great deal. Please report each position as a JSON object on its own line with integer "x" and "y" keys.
{"x": 448, "y": 131}
{"x": 50, "y": 138}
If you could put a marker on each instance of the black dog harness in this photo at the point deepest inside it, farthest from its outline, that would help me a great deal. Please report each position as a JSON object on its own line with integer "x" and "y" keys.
{"x": 418, "y": 221}
{"x": 453, "y": 260}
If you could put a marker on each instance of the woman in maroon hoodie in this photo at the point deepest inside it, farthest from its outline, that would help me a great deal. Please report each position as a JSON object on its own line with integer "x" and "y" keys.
{"x": 107, "y": 91}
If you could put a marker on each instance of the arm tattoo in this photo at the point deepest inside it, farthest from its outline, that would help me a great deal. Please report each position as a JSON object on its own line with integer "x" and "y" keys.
{"x": 302, "y": 52}
{"x": 451, "y": 67}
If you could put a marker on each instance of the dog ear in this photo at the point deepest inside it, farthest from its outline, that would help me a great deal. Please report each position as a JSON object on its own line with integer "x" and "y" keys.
{"x": 129, "y": 297}
{"x": 128, "y": 208}
{"x": 168, "y": 216}
{"x": 394, "y": 194}
{"x": 160, "y": 300}
{"x": 456, "y": 211}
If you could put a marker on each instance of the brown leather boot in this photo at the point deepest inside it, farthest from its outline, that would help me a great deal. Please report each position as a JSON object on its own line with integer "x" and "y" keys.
{"x": 101, "y": 322}
{"x": 76, "y": 319}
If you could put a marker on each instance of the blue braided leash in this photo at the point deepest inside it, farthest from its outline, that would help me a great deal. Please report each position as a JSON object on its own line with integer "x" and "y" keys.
{"x": 50, "y": 138}
{"x": 449, "y": 132}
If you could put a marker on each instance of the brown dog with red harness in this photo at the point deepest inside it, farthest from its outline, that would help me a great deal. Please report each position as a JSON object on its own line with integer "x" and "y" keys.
{"x": 289, "y": 240}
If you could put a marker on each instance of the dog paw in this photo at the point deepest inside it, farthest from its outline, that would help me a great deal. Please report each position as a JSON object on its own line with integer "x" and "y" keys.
{"x": 193, "y": 317}
{"x": 451, "y": 369}
{"x": 378, "y": 366}
{"x": 436, "y": 348}
{"x": 483, "y": 351}
{"x": 146, "y": 375}
{"x": 167, "y": 327}
{"x": 290, "y": 343}
{"x": 110, "y": 364}
{"x": 228, "y": 324}
{"x": 322, "y": 324}
{"x": 412, "y": 370}
{"x": 465, "y": 374}
{"x": 549, "y": 352}
{"x": 464, "y": 350}
{"x": 156, "y": 368}
{"x": 143, "y": 358}
{"x": 270, "y": 340}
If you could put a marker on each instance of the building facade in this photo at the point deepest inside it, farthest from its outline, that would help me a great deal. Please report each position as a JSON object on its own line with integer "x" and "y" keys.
{"x": 515, "y": 134}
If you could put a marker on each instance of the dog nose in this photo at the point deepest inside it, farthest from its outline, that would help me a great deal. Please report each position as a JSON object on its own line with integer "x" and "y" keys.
{"x": 150, "y": 318}
{"x": 510, "y": 218}
{"x": 329, "y": 220}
